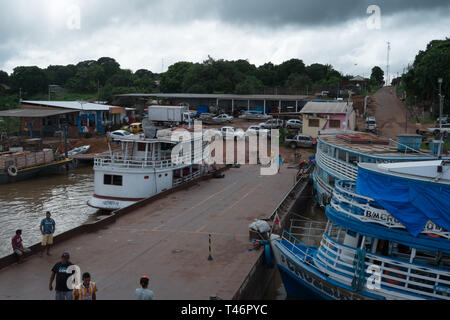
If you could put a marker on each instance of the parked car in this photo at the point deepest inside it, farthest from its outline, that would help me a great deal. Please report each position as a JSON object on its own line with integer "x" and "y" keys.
{"x": 206, "y": 115}
{"x": 118, "y": 134}
{"x": 294, "y": 124}
{"x": 371, "y": 124}
{"x": 273, "y": 124}
{"x": 444, "y": 119}
{"x": 223, "y": 118}
{"x": 257, "y": 130}
{"x": 300, "y": 141}
{"x": 437, "y": 131}
{"x": 231, "y": 133}
{"x": 254, "y": 116}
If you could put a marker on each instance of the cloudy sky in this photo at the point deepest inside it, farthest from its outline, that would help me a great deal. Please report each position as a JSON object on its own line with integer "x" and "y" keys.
{"x": 154, "y": 34}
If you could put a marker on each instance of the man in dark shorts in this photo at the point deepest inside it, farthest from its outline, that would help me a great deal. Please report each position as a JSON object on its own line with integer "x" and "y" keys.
{"x": 60, "y": 271}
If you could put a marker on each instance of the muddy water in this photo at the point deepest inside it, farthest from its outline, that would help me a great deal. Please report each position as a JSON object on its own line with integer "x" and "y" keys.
{"x": 276, "y": 289}
{"x": 23, "y": 205}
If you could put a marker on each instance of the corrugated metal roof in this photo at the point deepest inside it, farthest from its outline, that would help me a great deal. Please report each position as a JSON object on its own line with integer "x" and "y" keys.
{"x": 33, "y": 113}
{"x": 75, "y": 105}
{"x": 326, "y": 107}
{"x": 216, "y": 96}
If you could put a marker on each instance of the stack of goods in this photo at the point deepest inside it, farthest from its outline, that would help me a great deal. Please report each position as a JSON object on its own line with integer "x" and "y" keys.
{"x": 40, "y": 158}
{"x": 31, "y": 159}
{"x": 49, "y": 156}
{"x": 21, "y": 160}
{"x": 26, "y": 159}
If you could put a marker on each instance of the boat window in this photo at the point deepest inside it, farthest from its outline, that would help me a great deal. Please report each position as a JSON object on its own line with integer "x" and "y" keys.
{"x": 141, "y": 146}
{"x": 353, "y": 158}
{"x": 112, "y": 180}
{"x": 342, "y": 155}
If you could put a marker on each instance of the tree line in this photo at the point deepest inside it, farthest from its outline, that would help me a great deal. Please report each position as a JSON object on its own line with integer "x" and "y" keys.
{"x": 104, "y": 77}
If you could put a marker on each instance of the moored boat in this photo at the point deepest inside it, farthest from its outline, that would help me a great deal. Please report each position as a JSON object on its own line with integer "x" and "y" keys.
{"x": 382, "y": 241}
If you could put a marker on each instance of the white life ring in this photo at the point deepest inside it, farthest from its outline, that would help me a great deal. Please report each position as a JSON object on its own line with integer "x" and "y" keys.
{"x": 12, "y": 171}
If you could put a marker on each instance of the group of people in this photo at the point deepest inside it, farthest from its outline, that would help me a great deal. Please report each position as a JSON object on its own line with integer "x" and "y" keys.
{"x": 47, "y": 229}
{"x": 64, "y": 269}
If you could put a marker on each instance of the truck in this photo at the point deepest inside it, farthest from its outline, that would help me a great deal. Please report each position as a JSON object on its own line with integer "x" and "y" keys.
{"x": 371, "y": 124}
{"x": 169, "y": 115}
{"x": 445, "y": 130}
{"x": 300, "y": 141}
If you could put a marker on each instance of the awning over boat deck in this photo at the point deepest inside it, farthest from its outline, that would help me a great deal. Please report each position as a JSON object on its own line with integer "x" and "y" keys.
{"x": 34, "y": 113}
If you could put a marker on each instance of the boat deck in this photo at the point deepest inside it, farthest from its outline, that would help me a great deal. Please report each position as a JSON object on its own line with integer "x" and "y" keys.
{"x": 168, "y": 241}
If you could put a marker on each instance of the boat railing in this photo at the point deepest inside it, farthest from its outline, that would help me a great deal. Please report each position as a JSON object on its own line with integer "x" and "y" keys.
{"x": 308, "y": 231}
{"x": 364, "y": 209}
{"x": 394, "y": 275}
{"x": 298, "y": 248}
{"x": 340, "y": 167}
{"x": 322, "y": 184}
{"x": 187, "y": 178}
{"x": 117, "y": 161}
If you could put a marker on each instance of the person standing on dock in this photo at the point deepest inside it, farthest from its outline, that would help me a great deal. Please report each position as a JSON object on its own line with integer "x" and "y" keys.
{"x": 86, "y": 290}
{"x": 144, "y": 293}
{"x": 60, "y": 272}
{"x": 280, "y": 163}
{"x": 47, "y": 227}
{"x": 17, "y": 245}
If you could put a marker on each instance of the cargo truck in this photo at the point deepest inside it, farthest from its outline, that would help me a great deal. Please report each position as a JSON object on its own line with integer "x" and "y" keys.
{"x": 169, "y": 115}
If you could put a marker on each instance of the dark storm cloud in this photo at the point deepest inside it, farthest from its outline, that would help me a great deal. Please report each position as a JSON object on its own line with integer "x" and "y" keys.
{"x": 316, "y": 12}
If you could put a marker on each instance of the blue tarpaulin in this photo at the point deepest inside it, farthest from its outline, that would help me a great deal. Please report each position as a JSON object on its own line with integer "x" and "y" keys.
{"x": 412, "y": 202}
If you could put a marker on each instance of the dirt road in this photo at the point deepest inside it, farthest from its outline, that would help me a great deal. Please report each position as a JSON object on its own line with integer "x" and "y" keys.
{"x": 390, "y": 113}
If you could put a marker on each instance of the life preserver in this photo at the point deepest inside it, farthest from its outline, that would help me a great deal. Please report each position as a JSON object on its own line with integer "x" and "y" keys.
{"x": 12, "y": 171}
{"x": 398, "y": 275}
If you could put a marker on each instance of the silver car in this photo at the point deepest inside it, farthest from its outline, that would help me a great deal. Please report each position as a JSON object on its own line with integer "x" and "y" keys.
{"x": 294, "y": 124}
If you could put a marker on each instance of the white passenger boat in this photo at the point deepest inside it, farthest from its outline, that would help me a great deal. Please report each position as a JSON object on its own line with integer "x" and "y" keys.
{"x": 138, "y": 167}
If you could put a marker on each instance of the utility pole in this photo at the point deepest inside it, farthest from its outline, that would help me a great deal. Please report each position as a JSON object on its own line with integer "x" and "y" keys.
{"x": 387, "y": 68}
{"x": 441, "y": 107}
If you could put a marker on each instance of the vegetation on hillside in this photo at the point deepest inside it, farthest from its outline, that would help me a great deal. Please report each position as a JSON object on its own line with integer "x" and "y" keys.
{"x": 421, "y": 81}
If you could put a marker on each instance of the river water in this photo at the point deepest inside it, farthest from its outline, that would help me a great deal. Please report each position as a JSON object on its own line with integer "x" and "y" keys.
{"x": 313, "y": 212}
{"x": 23, "y": 205}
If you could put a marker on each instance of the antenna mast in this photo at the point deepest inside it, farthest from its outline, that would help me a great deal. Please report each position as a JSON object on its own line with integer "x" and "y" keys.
{"x": 388, "y": 78}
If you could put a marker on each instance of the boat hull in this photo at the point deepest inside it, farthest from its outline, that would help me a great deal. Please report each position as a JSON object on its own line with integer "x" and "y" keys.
{"x": 33, "y": 172}
{"x": 109, "y": 203}
{"x": 305, "y": 282}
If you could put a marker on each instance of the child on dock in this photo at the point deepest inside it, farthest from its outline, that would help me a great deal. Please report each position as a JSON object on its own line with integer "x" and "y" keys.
{"x": 47, "y": 228}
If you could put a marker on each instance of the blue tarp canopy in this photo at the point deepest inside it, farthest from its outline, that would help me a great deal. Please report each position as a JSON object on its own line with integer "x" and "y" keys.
{"x": 412, "y": 202}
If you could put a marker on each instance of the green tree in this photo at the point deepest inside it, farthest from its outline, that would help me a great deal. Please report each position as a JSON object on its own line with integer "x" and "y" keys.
{"x": 4, "y": 77}
{"x": 172, "y": 80}
{"x": 32, "y": 80}
{"x": 377, "y": 77}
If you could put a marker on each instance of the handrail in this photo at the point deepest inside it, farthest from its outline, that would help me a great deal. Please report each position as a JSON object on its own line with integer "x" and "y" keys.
{"x": 395, "y": 274}
{"x": 340, "y": 167}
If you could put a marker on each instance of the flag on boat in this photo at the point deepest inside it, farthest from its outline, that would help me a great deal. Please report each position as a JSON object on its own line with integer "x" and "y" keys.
{"x": 277, "y": 220}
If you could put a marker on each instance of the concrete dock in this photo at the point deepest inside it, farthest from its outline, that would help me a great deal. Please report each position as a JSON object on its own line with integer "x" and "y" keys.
{"x": 168, "y": 241}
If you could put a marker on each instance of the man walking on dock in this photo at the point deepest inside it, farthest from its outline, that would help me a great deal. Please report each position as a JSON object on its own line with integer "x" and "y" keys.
{"x": 60, "y": 271}
{"x": 47, "y": 227}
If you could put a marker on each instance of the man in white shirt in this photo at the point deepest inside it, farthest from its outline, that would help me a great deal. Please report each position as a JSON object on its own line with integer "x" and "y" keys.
{"x": 144, "y": 293}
